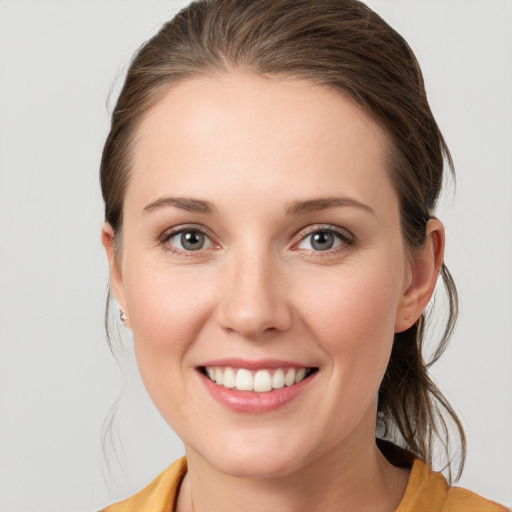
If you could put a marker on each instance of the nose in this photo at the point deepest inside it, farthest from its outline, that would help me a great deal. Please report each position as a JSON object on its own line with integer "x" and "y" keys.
{"x": 253, "y": 297}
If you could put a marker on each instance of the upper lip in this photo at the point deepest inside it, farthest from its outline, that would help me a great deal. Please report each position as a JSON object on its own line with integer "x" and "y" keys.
{"x": 258, "y": 364}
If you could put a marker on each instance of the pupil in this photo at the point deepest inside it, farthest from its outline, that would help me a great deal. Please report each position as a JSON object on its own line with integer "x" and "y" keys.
{"x": 192, "y": 240}
{"x": 322, "y": 241}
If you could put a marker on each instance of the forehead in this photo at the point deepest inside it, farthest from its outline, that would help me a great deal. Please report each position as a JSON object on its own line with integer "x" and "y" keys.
{"x": 238, "y": 132}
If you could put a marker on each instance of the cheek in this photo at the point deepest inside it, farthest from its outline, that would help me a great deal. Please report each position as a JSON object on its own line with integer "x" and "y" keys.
{"x": 166, "y": 303}
{"x": 168, "y": 309}
{"x": 353, "y": 300}
{"x": 352, "y": 315}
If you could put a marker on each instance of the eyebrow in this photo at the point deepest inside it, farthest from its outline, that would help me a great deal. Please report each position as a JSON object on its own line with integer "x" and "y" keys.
{"x": 324, "y": 203}
{"x": 185, "y": 203}
{"x": 298, "y": 207}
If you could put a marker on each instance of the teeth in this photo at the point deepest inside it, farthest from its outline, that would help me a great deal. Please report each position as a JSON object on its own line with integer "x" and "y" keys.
{"x": 260, "y": 381}
{"x": 300, "y": 375}
{"x": 229, "y": 378}
{"x": 244, "y": 380}
{"x": 289, "y": 379}
{"x": 278, "y": 379}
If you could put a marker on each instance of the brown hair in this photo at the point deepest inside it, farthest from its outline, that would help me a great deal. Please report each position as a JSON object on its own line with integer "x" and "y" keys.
{"x": 340, "y": 44}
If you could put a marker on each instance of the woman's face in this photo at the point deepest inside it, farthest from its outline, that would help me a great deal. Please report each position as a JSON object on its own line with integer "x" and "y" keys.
{"x": 261, "y": 243}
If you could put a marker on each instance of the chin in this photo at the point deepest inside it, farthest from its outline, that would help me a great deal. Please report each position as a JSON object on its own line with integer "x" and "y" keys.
{"x": 256, "y": 468}
{"x": 250, "y": 458}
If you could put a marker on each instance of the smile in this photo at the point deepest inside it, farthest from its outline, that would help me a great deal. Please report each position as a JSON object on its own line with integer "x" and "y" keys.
{"x": 259, "y": 381}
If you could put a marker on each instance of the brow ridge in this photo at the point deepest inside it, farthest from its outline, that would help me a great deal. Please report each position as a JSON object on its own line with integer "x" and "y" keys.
{"x": 185, "y": 203}
{"x": 303, "y": 206}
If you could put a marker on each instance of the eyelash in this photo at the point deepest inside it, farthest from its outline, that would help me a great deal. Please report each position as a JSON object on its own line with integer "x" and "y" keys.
{"x": 345, "y": 238}
{"x": 167, "y": 235}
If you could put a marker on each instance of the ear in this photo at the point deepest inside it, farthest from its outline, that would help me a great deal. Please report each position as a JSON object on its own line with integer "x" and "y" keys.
{"x": 425, "y": 265}
{"x": 116, "y": 277}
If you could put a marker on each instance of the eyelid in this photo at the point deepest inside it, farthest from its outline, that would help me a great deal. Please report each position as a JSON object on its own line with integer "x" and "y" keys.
{"x": 344, "y": 234}
{"x": 176, "y": 230}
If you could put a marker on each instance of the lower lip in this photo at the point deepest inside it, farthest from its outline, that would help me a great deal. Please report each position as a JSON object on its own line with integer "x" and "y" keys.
{"x": 253, "y": 402}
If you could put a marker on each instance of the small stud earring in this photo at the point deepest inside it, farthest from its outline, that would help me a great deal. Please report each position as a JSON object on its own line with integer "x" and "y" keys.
{"x": 123, "y": 316}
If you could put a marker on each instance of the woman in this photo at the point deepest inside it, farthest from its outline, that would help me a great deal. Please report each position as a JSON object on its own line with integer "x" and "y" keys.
{"x": 269, "y": 182}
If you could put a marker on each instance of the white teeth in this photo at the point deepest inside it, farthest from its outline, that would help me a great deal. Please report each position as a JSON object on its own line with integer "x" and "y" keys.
{"x": 300, "y": 375}
{"x": 229, "y": 378}
{"x": 289, "y": 379}
{"x": 244, "y": 381}
{"x": 260, "y": 381}
{"x": 278, "y": 379}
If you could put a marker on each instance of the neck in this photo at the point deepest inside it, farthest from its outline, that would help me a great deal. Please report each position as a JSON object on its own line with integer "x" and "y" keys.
{"x": 344, "y": 479}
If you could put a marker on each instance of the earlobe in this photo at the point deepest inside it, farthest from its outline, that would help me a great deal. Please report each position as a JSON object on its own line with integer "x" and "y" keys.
{"x": 426, "y": 263}
{"x": 116, "y": 278}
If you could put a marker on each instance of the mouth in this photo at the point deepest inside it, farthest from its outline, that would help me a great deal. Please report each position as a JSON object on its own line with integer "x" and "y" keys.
{"x": 263, "y": 380}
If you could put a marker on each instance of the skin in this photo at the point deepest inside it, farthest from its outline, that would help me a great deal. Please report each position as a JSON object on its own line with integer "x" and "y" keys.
{"x": 252, "y": 147}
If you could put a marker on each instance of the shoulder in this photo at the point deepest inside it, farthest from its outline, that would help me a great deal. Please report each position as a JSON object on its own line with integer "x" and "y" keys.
{"x": 428, "y": 491}
{"x": 462, "y": 499}
{"x": 159, "y": 495}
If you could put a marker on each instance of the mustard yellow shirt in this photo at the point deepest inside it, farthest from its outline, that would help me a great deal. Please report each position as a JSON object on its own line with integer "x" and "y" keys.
{"x": 426, "y": 491}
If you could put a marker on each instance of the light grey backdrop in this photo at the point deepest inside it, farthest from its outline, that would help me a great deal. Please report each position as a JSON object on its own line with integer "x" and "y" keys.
{"x": 58, "y": 60}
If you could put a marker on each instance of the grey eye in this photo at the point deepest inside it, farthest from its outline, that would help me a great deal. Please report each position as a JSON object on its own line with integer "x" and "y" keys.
{"x": 192, "y": 240}
{"x": 322, "y": 240}
{"x": 189, "y": 240}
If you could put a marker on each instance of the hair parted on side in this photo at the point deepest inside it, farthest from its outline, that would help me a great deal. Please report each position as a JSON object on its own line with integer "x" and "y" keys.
{"x": 345, "y": 46}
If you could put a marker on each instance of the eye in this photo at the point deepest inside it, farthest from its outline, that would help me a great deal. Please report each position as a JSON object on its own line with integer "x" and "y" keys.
{"x": 324, "y": 240}
{"x": 188, "y": 240}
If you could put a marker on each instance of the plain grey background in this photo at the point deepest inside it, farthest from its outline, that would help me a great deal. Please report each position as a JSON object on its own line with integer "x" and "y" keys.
{"x": 58, "y": 380}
